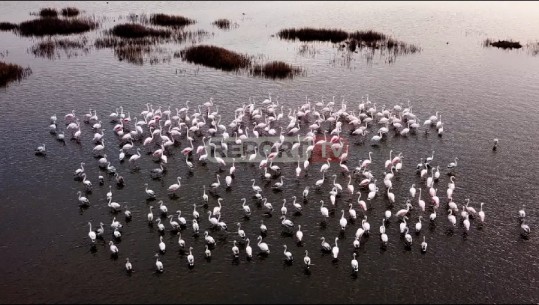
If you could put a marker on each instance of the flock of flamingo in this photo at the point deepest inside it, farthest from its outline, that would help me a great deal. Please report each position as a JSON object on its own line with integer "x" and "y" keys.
{"x": 159, "y": 133}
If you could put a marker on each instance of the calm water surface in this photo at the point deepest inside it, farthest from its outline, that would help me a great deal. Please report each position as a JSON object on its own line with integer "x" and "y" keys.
{"x": 482, "y": 93}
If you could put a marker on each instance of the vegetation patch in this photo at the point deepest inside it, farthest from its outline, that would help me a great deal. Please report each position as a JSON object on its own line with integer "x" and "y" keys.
{"x": 8, "y": 26}
{"x": 55, "y": 26}
{"x": 352, "y": 42}
{"x": 170, "y": 20}
{"x": 533, "y": 48}
{"x": 376, "y": 40}
{"x": 133, "y": 30}
{"x": 51, "y": 48}
{"x": 215, "y": 57}
{"x": 504, "y": 44}
{"x": 48, "y": 12}
{"x": 70, "y": 12}
{"x": 12, "y": 72}
{"x": 275, "y": 69}
{"x": 137, "y": 50}
{"x": 312, "y": 34}
{"x": 224, "y": 24}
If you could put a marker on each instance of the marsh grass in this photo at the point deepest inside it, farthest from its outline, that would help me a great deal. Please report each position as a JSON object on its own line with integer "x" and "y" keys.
{"x": 137, "y": 50}
{"x": 351, "y": 41}
{"x": 215, "y": 57}
{"x": 504, "y": 44}
{"x": 275, "y": 69}
{"x": 70, "y": 12}
{"x": 312, "y": 34}
{"x": 533, "y": 48}
{"x": 12, "y": 72}
{"x": 55, "y": 26}
{"x": 224, "y": 24}
{"x": 134, "y": 30}
{"x": 48, "y": 12}
{"x": 51, "y": 48}
{"x": 8, "y": 26}
{"x": 174, "y": 21}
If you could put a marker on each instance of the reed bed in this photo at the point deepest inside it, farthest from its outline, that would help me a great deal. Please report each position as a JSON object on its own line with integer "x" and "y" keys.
{"x": 223, "y": 24}
{"x": 48, "y": 12}
{"x": 8, "y": 26}
{"x": 312, "y": 34}
{"x": 215, "y": 57}
{"x": 174, "y": 21}
{"x": 56, "y": 26}
{"x": 51, "y": 48}
{"x": 275, "y": 69}
{"x": 134, "y": 30}
{"x": 353, "y": 41}
{"x": 70, "y": 12}
{"x": 12, "y": 72}
{"x": 504, "y": 44}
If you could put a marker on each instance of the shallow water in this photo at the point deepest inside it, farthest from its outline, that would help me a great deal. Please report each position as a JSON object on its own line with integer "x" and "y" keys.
{"x": 482, "y": 93}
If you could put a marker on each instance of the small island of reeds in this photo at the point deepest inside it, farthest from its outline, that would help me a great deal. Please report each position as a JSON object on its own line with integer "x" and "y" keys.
{"x": 48, "y": 12}
{"x": 215, "y": 57}
{"x": 170, "y": 20}
{"x": 51, "y": 48}
{"x": 275, "y": 69}
{"x": 312, "y": 34}
{"x": 70, "y": 11}
{"x": 134, "y": 30}
{"x": 223, "y": 24}
{"x": 359, "y": 39}
{"x": 12, "y": 72}
{"x": 504, "y": 44}
{"x": 56, "y": 26}
{"x": 8, "y": 26}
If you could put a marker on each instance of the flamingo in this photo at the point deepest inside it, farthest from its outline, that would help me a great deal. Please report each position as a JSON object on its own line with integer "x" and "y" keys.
{"x": 335, "y": 249}
{"x": 133, "y": 159}
{"x": 452, "y": 218}
{"x": 361, "y": 203}
{"x": 307, "y": 260}
{"x": 113, "y": 249}
{"x": 83, "y": 200}
{"x": 150, "y": 193}
{"x": 190, "y": 258}
{"x": 355, "y": 264}
{"x": 412, "y": 191}
{"x": 343, "y": 222}
{"x": 403, "y": 212}
{"x": 323, "y": 210}
{"x": 321, "y": 181}
{"x": 481, "y": 213}
{"x": 287, "y": 254}
{"x": 424, "y": 245}
{"x": 158, "y": 263}
{"x": 248, "y": 249}
{"x": 174, "y": 187}
{"x": 91, "y": 233}
{"x": 365, "y": 225}
{"x": 453, "y": 164}
{"x": 418, "y": 225}
{"x": 421, "y": 202}
{"x": 208, "y": 239}
{"x": 263, "y": 246}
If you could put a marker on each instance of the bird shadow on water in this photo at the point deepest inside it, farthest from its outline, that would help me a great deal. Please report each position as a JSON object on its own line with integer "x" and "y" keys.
{"x": 93, "y": 249}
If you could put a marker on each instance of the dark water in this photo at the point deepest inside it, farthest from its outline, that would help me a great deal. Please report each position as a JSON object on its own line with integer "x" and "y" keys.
{"x": 481, "y": 93}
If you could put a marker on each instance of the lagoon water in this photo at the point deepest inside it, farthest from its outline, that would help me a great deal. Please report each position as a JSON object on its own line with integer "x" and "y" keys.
{"x": 481, "y": 93}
